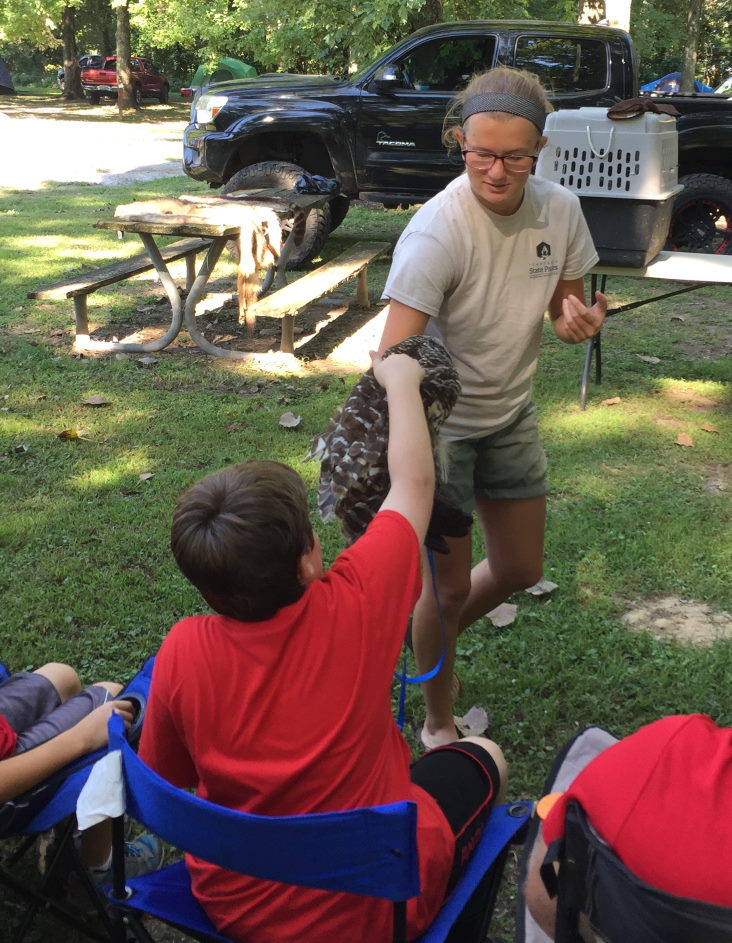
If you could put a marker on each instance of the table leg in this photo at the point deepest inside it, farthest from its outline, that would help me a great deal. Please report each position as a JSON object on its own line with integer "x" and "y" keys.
{"x": 194, "y": 296}
{"x": 176, "y": 305}
{"x": 287, "y": 340}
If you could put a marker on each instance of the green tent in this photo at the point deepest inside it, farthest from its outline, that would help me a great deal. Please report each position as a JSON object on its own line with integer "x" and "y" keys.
{"x": 222, "y": 71}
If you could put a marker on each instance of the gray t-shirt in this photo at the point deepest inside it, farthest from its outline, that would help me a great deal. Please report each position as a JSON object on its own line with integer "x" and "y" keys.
{"x": 486, "y": 281}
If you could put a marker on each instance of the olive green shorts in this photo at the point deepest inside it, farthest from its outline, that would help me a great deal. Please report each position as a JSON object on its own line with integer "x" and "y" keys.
{"x": 509, "y": 463}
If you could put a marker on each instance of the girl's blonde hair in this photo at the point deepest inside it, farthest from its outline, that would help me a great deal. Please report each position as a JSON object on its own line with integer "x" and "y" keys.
{"x": 503, "y": 79}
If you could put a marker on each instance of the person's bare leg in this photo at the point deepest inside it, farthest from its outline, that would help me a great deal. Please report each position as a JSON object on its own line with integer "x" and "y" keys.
{"x": 492, "y": 748}
{"x": 513, "y": 531}
{"x": 96, "y": 844}
{"x": 542, "y": 907}
{"x": 62, "y": 677}
{"x": 453, "y": 575}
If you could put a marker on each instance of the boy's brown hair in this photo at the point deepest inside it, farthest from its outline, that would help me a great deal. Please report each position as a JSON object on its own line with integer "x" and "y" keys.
{"x": 238, "y": 535}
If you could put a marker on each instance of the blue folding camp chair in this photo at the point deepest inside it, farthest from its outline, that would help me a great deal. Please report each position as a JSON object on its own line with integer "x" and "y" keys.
{"x": 370, "y": 851}
{"x": 620, "y": 908}
{"x": 51, "y": 806}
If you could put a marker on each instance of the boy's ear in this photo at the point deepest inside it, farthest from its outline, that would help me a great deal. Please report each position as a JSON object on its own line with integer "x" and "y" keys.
{"x": 310, "y": 564}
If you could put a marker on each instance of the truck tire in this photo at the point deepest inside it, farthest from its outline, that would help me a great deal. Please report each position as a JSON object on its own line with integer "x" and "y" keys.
{"x": 163, "y": 96}
{"x": 137, "y": 96}
{"x": 701, "y": 220}
{"x": 275, "y": 173}
{"x": 338, "y": 211}
{"x": 93, "y": 98}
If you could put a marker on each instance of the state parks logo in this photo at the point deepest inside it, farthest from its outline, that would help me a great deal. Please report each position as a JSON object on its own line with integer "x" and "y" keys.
{"x": 544, "y": 264}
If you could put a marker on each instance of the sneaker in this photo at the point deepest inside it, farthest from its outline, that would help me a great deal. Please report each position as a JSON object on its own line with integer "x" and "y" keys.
{"x": 143, "y": 854}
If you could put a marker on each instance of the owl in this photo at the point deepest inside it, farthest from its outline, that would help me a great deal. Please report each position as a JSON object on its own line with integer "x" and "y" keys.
{"x": 354, "y": 478}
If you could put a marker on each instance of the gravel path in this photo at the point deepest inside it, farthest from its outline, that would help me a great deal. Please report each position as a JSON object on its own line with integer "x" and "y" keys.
{"x": 53, "y": 143}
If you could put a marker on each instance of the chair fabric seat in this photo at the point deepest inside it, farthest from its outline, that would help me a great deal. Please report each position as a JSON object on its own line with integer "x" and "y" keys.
{"x": 166, "y": 894}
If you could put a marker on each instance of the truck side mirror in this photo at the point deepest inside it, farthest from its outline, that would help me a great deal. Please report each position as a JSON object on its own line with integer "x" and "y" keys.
{"x": 387, "y": 79}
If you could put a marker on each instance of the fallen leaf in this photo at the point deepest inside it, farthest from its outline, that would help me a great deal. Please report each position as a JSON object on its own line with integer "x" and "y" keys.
{"x": 677, "y": 317}
{"x": 503, "y": 615}
{"x": 73, "y": 434}
{"x": 147, "y": 361}
{"x": 289, "y": 420}
{"x": 648, "y": 359}
{"x": 145, "y": 476}
{"x": 542, "y": 588}
{"x": 474, "y": 723}
{"x": 685, "y": 440}
{"x": 708, "y": 427}
{"x": 237, "y": 426}
{"x": 613, "y": 401}
{"x": 96, "y": 400}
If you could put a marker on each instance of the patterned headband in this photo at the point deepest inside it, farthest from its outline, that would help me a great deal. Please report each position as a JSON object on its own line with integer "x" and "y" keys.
{"x": 511, "y": 104}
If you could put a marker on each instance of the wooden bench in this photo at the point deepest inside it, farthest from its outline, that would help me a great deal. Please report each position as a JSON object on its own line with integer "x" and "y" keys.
{"x": 81, "y": 286}
{"x": 286, "y": 302}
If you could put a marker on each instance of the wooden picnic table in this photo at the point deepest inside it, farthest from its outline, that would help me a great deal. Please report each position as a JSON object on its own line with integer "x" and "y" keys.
{"x": 693, "y": 270}
{"x": 285, "y": 203}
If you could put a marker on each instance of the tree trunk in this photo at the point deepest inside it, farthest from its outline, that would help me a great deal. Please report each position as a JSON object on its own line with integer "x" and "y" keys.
{"x": 429, "y": 13}
{"x": 125, "y": 98}
{"x": 72, "y": 72}
{"x": 688, "y": 59}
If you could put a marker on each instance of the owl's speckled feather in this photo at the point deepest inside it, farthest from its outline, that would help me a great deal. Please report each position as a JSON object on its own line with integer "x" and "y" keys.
{"x": 354, "y": 479}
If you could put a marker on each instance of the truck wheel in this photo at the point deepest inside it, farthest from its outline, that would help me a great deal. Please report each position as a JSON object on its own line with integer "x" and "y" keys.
{"x": 702, "y": 216}
{"x": 137, "y": 96}
{"x": 93, "y": 98}
{"x": 275, "y": 173}
{"x": 163, "y": 97}
{"x": 338, "y": 211}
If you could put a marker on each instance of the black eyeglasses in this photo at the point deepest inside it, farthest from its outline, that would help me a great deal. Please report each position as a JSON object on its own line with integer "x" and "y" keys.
{"x": 512, "y": 163}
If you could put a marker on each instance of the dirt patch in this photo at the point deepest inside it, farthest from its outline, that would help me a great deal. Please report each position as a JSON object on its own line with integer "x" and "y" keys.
{"x": 691, "y": 398}
{"x": 719, "y": 480}
{"x": 681, "y": 620}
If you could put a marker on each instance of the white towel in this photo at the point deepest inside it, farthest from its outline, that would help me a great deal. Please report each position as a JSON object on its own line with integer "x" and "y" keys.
{"x": 103, "y": 795}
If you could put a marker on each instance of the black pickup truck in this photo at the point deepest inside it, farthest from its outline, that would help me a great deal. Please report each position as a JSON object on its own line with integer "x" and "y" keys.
{"x": 379, "y": 131}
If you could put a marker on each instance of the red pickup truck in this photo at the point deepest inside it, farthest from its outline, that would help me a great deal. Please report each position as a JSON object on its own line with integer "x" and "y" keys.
{"x": 147, "y": 81}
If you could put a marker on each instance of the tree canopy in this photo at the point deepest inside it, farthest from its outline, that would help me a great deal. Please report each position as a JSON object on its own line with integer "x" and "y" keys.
{"x": 337, "y": 35}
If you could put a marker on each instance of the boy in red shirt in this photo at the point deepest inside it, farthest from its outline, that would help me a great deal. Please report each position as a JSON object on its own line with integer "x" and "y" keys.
{"x": 280, "y": 703}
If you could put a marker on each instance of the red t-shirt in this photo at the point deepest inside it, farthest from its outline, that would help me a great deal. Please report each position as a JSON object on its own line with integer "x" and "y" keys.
{"x": 293, "y": 715}
{"x": 661, "y": 799}
{"x": 8, "y": 739}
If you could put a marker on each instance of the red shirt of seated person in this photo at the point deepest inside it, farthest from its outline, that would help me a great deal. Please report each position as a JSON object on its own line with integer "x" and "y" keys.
{"x": 660, "y": 798}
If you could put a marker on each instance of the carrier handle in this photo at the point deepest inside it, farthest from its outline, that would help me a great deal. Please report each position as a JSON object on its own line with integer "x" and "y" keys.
{"x": 601, "y": 155}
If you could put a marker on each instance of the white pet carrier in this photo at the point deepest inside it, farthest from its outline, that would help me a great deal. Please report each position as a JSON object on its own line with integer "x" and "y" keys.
{"x": 625, "y": 173}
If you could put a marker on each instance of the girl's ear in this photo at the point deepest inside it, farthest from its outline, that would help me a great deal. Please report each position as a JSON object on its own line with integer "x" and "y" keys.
{"x": 543, "y": 142}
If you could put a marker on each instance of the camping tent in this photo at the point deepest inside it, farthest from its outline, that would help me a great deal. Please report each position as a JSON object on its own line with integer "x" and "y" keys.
{"x": 222, "y": 71}
{"x": 6, "y": 82}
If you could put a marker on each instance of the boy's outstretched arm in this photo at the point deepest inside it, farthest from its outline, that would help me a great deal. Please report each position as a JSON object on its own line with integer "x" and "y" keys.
{"x": 22, "y": 772}
{"x": 409, "y": 456}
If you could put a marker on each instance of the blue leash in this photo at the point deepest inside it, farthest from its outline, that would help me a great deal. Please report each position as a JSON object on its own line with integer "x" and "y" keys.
{"x": 405, "y": 679}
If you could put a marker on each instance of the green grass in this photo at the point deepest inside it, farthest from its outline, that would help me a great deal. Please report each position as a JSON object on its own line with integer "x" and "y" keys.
{"x": 85, "y": 570}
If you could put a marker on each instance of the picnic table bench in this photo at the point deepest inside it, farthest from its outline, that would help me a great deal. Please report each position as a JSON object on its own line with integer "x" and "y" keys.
{"x": 79, "y": 287}
{"x": 286, "y": 302}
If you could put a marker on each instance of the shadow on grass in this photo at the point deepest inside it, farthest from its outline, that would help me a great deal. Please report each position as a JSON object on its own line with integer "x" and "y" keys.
{"x": 52, "y": 106}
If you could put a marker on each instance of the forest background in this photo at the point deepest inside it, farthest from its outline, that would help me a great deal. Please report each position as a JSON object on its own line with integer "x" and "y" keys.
{"x": 325, "y": 36}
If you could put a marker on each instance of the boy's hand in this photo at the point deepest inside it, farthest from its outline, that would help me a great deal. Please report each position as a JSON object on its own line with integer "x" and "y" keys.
{"x": 397, "y": 367}
{"x": 93, "y": 727}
